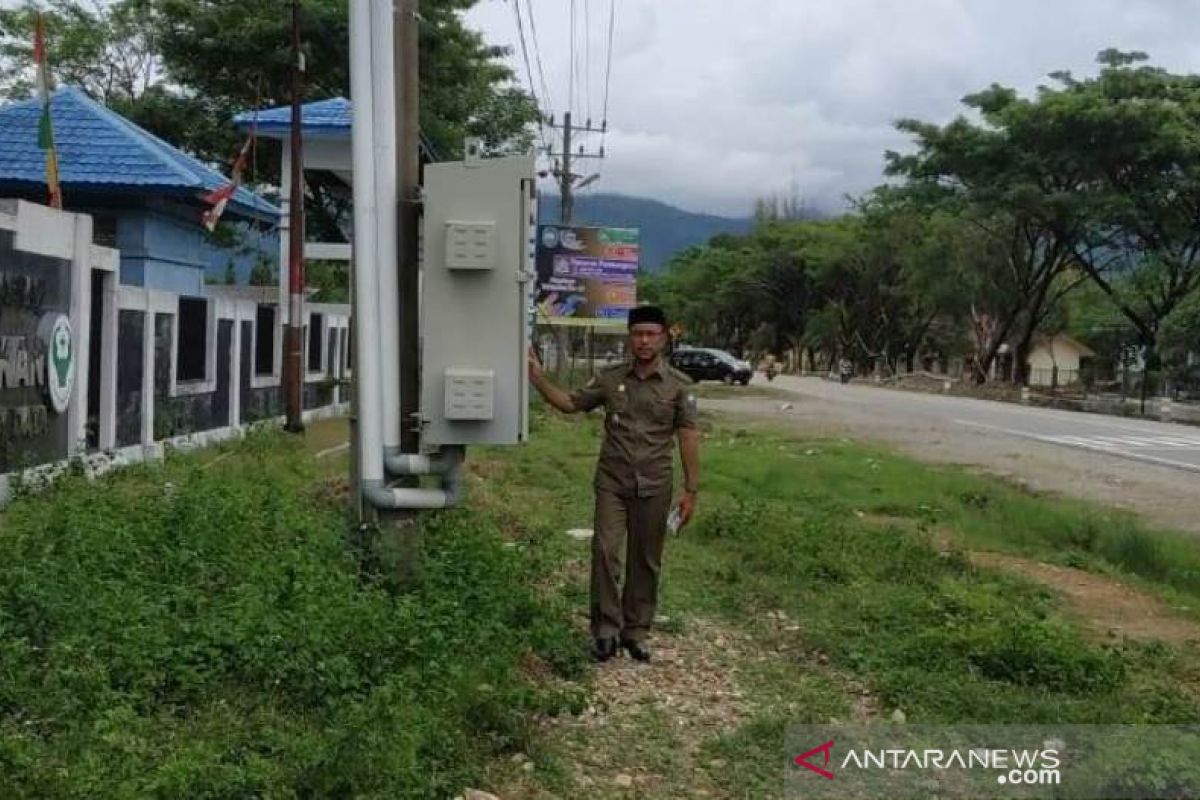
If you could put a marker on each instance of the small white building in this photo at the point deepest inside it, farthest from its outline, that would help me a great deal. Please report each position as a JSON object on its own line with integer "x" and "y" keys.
{"x": 1056, "y": 360}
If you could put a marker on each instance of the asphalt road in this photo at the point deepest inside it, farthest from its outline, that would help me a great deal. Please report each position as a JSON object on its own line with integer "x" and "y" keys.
{"x": 1159, "y": 443}
{"x": 1150, "y": 468}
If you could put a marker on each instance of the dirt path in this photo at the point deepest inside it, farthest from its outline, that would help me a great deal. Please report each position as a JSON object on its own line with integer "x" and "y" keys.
{"x": 1102, "y": 604}
{"x": 643, "y": 733}
{"x": 647, "y": 730}
{"x": 1105, "y": 605}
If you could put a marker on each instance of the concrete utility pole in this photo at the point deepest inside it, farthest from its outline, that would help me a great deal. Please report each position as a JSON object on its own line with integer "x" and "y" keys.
{"x": 566, "y": 216}
{"x": 408, "y": 188}
{"x": 567, "y": 178}
{"x": 293, "y": 366}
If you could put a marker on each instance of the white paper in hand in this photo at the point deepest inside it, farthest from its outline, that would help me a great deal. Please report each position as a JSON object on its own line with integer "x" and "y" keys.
{"x": 673, "y": 520}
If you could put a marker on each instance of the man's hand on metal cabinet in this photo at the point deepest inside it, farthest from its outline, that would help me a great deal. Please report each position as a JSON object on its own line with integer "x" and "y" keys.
{"x": 535, "y": 365}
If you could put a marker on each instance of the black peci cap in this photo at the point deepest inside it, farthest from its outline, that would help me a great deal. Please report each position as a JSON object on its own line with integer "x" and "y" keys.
{"x": 647, "y": 314}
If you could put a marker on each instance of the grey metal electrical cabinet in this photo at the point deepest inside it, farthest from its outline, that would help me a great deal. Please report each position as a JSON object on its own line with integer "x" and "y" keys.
{"x": 476, "y": 285}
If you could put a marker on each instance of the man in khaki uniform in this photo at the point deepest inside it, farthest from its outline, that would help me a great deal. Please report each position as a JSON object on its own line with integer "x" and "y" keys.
{"x": 647, "y": 404}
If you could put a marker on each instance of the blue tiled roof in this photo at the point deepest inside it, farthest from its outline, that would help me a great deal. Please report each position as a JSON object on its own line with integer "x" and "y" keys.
{"x": 99, "y": 149}
{"x": 331, "y": 118}
{"x": 324, "y": 116}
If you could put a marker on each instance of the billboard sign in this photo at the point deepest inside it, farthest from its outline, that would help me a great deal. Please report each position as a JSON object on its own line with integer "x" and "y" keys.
{"x": 586, "y": 275}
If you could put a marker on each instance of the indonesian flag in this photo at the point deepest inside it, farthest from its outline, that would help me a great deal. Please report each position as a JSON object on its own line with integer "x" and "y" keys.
{"x": 45, "y": 126}
{"x": 219, "y": 198}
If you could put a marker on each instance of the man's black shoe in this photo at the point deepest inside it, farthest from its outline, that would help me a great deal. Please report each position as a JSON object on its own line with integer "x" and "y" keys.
{"x": 604, "y": 648}
{"x": 637, "y": 651}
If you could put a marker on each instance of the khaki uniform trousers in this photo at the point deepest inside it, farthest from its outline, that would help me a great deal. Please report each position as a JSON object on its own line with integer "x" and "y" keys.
{"x": 629, "y": 533}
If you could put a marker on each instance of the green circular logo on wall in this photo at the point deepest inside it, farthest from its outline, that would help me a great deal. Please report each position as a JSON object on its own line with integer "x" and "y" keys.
{"x": 55, "y": 332}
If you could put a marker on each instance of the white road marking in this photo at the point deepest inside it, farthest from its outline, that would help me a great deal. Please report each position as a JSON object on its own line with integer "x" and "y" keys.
{"x": 1092, "y": 443}
{"x": 1178, "y": 441}
{"x": 1134, "y": 441}
{"x": 1079, "y": 441}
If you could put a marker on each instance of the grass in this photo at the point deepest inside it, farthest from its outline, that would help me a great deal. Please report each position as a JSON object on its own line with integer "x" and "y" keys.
{"x": 759, "y": 388}
{"x": 865, "y": 550}
{"x": 180, "y": 631}
{"x": 840, "y": 479}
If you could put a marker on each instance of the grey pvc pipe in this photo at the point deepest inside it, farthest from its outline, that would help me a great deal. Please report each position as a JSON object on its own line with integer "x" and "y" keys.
{"x": 383, "y": 167}
{"x": 412, "y": 464}
{"x": 368, "y": 392}
{"x": 416, "y": 499}
{"x": 452, "y": 493}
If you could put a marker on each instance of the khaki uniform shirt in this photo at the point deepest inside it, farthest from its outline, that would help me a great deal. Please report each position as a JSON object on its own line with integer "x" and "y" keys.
{"x": 642, "y": 416}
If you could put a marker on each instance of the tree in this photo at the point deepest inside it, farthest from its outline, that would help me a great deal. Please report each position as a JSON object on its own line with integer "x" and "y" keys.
{"x": 868, "y": 286}
{"x": 105, "y": 49}
{"x": 237, "y": 55}
{"x": 917, "y": 250}
{"x": 1025, "y": 206}
{"x": 707, "y": 289}
{"x": 781, "y": 284}
{"x": 329, "y": 280}
{"x": 111, "y": 52}
{"x": 1092, "y": 318}
{"x": 1142, "y": 126}
{"x": 844, "y": 273}
{"x": 233, "y": 56}
{"x": 183, "y": 69}
{"x": 1179, "y": 337}
{"x": 1101, "y": 174}
{"x": 789, "y": 206}
{"x": 1077, "y": 209}
{"x": 263, "y": 274}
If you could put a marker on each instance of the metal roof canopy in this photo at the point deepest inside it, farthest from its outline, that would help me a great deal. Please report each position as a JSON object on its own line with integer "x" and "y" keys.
{"x": 326, "y": 127}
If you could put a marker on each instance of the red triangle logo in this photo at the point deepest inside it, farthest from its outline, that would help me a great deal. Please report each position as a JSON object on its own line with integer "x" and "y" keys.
{"x": 802, "y": 760}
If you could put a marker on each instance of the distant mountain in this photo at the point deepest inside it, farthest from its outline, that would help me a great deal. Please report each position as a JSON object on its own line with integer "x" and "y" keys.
{"x": 665, "y": 229}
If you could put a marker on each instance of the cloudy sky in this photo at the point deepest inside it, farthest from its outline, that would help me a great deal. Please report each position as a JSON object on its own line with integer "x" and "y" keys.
{"x": 713, "y": 102}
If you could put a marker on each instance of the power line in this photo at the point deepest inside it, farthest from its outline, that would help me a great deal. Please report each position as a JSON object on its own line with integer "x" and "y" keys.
{"x": 571, "y": 92}
{"x": 529, "y": 70}
{"x": 587, "y": 57}
{"x": 612, "y": 24}
{"x": 516, "y": 7}
{"x": 547, "y": 101}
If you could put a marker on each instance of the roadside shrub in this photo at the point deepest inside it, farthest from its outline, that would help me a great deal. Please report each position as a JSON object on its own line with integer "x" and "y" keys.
{"x": 1137, "y": 552}
{"x": 1083, "y": 535}
{"x": 1041, "y": 654}
{"x": 734, "y": 518}
{"x": 1142, "y": 761}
